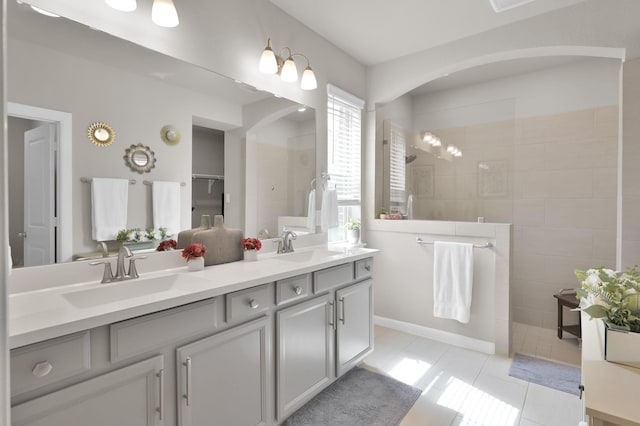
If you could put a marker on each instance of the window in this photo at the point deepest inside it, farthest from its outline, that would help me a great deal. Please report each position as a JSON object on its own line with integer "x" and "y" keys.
{"x": 344, "y": 155}
{"x": 398, "y": 144}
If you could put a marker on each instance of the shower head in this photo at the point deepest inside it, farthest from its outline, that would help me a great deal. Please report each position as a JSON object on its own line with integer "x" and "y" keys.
{"x": 409, "y": 158}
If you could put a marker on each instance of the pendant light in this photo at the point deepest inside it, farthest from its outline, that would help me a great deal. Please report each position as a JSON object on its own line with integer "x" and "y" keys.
{"x": 164, "y": 13}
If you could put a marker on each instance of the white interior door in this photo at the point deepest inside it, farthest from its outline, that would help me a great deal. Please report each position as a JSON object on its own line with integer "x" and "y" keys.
{"x": 39, "y": 195}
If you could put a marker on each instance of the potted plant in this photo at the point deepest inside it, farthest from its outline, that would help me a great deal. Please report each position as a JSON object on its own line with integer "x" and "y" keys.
{"x": 194, "y": 254}
{"x": 353, "y": 231}
{"x": 167, "y": 245}
{"x": 614, "y": 297}
{"x": 251, "y": 247}
{"x": 382, "y": 213}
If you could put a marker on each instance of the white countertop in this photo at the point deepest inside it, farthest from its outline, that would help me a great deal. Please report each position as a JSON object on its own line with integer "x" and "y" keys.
{"x": 611, "y": 390}
{"x": 43, "y": 314}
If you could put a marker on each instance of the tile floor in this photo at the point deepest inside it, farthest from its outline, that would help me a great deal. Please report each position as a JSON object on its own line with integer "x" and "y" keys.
{"x": 463, "y": 387}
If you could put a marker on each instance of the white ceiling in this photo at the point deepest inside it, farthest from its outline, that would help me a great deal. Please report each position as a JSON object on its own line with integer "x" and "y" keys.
{"x": 375, "y": 31}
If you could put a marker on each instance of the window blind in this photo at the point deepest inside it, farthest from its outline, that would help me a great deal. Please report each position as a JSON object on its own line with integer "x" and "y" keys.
{"x": 344, "y": 133}
{"x": 397, "y": 175}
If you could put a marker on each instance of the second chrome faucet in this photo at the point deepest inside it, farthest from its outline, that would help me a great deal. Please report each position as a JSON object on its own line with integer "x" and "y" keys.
{"x": 121, "y": 275}
{"x": 285, "y": 244}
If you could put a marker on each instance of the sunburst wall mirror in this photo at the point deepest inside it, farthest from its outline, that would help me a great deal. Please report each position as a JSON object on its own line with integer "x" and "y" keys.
{"x": 140, "y": 158}
{"x": 101, "y": 134}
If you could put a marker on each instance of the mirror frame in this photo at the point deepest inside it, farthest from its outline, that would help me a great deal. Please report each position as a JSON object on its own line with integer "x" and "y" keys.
{"x": 135, "y": 151}
{"x": 99, "y": 127}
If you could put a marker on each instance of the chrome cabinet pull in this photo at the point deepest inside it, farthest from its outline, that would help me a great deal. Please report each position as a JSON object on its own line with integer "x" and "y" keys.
{"x": 253, "y": 304}
{"x": 187, "y": 395}
{"x": 332, "y": 316}
{"x": 161, "y": 393}
{"x": 298, "y": 290}
{"x": 342, "y": 310}
{"x": 367, "y": 267}
{"x": 41, "y": 369}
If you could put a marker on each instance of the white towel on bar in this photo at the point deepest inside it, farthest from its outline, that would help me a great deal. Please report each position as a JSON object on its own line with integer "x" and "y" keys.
{"x": 452, "y": 280}
{"x": 109, "y": 198}
{"x": 329, "y": 210}
{"x": 311, "y": 211}
{"x": 166, "y": 206}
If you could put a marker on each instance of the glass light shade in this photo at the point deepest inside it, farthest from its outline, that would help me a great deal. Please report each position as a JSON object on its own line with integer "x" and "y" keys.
{"x": 308, "y": 81}
{"x": 164, "y": 14}
{"x": 289, "y": 71}
{"x": 436, "y": 141}
{"x": 122, "y": 5}
{"x": 268, "y": 62}
{"x": 44, "y": 12}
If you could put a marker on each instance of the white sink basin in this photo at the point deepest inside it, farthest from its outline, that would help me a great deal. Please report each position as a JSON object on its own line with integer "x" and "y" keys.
{"x": 308, "y": 255}
{"x": 101, "y": 294}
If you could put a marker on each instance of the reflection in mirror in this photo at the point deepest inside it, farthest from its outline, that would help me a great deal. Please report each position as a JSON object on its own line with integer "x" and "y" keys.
{"x": 147, "y": 90}
{"x": 280, "y": 163}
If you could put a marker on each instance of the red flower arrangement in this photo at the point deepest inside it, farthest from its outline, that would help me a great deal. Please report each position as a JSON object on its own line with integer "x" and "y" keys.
{"x": 251, "y": 244}
{"x": 167, "y": 245}
{"x": 193, "y": 251}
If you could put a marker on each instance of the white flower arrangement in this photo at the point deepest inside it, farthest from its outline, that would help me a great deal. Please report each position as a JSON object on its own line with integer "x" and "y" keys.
{"x": 611, "y": 295}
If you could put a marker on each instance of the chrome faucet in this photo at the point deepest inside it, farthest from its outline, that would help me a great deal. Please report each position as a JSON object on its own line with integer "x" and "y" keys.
{"x": 285, "y": 244}
{"x": 121, "y": 275}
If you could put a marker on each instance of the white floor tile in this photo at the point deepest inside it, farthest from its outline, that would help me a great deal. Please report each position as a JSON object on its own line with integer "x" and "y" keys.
{"x": 550, "y": 407}
{"x": 463, "y": 387}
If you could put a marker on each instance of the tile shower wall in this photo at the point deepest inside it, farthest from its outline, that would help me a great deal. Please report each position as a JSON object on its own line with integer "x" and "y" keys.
{"x": 552, "y": 176}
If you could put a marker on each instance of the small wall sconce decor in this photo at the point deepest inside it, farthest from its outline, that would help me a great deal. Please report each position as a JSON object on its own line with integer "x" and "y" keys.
{"x": 139, "y": 158}
{"x": 163, "y": 12}
{"x": 170, "y": 135}
{"x": 101, "y": 134}
{"x": 285, "y": 67}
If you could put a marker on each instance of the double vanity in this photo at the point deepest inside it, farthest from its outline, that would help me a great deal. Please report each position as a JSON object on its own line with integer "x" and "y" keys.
{"x": 243, "y": 343}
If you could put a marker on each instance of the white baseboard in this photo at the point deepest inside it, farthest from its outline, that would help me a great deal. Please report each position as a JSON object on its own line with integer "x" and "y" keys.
{"x": 439, "y": 335}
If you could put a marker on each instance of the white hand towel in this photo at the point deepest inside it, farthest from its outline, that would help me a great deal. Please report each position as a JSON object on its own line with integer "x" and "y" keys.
{"x": 166, "y": 206}
{"x": 109, "y": 198}
{"x": 311, "y": 211}
{"x": 329, "y": 210}
{"x": 452, "y": 280}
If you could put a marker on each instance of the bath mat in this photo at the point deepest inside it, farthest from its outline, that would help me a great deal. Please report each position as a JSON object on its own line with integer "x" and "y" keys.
{"x": 360, "y": 397}
{"x": 562, "y": 377}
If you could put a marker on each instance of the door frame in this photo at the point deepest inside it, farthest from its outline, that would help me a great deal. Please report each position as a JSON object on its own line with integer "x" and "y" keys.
{"x": 64, "y": 172}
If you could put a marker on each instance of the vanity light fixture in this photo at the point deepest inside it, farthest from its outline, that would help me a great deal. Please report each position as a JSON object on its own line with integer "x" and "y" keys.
{"x": 285, "y": 66}
{"x": 163, "y": 12}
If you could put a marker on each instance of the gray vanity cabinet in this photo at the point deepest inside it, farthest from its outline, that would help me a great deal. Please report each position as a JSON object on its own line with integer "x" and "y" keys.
{"x": 304, "y": 360}
{"x": 224, "y": 379}
{"x": 128, "y": 396}
{"x": 354, "y": 338}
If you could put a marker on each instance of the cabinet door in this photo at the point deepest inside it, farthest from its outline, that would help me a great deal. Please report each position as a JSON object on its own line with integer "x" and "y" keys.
{"x": 223, "y": 379}
{"x": 129, "y": 396}
{"x": 304, "y": 352}
{"x": 355, "y": 325}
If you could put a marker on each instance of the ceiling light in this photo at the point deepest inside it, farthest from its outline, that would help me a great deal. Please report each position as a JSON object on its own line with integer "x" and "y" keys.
{"x": 302, "y": 109}
{"x": 122, "y": 5}
{"x": 270, "y": 63}
{"x": 502, "y": 5}
{"x": 44, "y": 12}
{"x": 164, "y": 13}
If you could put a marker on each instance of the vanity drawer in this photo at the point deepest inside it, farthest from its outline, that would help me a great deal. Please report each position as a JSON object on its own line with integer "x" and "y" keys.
{"x": 364, "y": 268}
{"x": 335, "y": 276}
{"x": 245, "y": 304}
{"x": 142, "y": 334}
{"x": 47, "y": 362}
{"x": 293, "y": 288}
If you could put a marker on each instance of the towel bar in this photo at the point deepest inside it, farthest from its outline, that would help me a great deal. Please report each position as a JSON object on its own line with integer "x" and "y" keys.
{"x": 87, "y": 180}
{"x": 150, "y": 182}
{"x": 486, "y": 245}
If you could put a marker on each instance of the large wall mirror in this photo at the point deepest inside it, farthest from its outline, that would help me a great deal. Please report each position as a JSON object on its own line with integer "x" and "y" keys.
{"x": 500, "y": 143}
{"x": 61, "y": 66}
